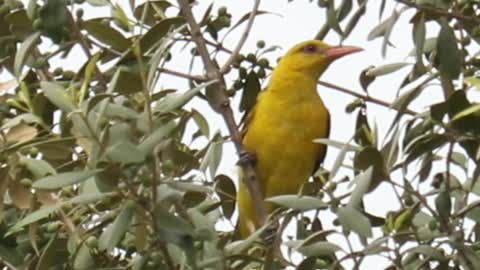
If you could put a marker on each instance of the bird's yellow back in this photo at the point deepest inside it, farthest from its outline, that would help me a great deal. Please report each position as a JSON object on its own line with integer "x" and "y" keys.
{"x": 288, "y": 116}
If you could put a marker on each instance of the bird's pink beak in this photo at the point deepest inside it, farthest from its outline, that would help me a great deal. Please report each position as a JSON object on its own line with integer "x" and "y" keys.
{"x": 339, "y": 51}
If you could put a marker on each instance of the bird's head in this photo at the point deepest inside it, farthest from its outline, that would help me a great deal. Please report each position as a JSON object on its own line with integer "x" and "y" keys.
{"x": 313, "y": 57}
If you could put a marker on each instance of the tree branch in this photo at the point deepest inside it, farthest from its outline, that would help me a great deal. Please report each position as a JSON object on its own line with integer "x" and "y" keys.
{"x": 180, "y": 74}
{"x": 243, "y": 38}
{"x": 221, "y": 104}
{"x": 364, "y": 97}
{"x": 441, "y": 12}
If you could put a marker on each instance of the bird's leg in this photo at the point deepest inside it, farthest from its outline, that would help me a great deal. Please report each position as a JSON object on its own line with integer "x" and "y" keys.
{"x": 246, "y": 157}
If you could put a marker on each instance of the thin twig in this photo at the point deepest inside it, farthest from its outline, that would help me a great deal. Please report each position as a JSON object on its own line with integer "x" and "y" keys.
{"x": 243, "y": 38}
{"x": 364, "y": 97}
{"x": 181, "y": 74}
{"x": 81, "y": 39}
{"x": 221, "y": 104}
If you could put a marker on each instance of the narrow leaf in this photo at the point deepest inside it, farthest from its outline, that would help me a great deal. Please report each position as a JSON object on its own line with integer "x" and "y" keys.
{"x": 34, "y": 216}
{"x": 303, "y": 203}
{"x": 354, "y": 220}
{"x": 24, "y": 52}
{"x": 58, "y": 96}
{"x": 115, "y": 232}
{"x": 63, "y": 179}
{"x": 449, "y": 55}
{"x": 319, "y": 249}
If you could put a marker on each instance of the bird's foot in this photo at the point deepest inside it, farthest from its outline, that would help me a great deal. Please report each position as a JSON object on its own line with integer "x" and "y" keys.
{"x": 246, "y": 158}
{"x": 270, "y": 234}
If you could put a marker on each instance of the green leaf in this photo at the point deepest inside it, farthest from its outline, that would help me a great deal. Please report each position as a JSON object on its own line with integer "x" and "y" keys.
{"x": 126, "y": 153}
{"x": 474, "y": 109}
{"x": 25, "y": 118}
{"x": 386, "y": 69}
{"x": 107, "y": 35}
{"x": 319, "y": 249}
{"x": 11, "y": 255}
{"x": 443, "y": 204}
{"x": 97, "y": 99}
{"x": 58, "y": 96}
{"x": 402, "y": 102}
{"x": 34, "y": 216}
{"x": 83, "y": 259}
{"x": 201, "y": 122}
{"x": 337, "y": 144}
{"x": 148, "y": 145}
{"x": 237, "y": 247}
{"x": 473, "y": 81}
{"x": 362, "y": 184}
{"x": 53, "y": 15}
{"x": 98, "y": 3}
{"x": 63, "y": 179}
{"x": 403, "y": 219}
{"x": 303, "y": 203}
{"x": 474, "y": 214}
{"x": 55, "y": 253}
{"x": 344, "y": 9}
{"x": 383, "y": 28}
{"x": 24, "y": 52}
{"x": 332, "y": 19}
{"x": 112, "y": 236}
{"x": 424, "y": 144}
{"x": 377, "y": 246}
{"x": 127, "y": 80}
{"x": 419, "y": 34}
{"x": 39, "y": 168}
{"x": 429, "y": 251}
{"x": 188, "y": 186}
{"x": 371, "y": 157}
{"x": 449, "y": 56}
{"x": 159, "y": 31}
{"x": 171, "y": 223}
{"x": 338, "y": 161}
{"x": 213, "y": 156}
{"x": 353, "y": 220}
{"x": 172, "y": 102}
{"x": 250, "y": 92}
{"x": 113, "y": 110}
{"x": 473, "y": 260}
{"x": 89, "y": 69}
{"x": 225, "y": 189}
{"x": 89, "y": 198}
{"x": 173, "y": 229}
{"x": 121, "y": 19}
{"x": 160, "y": 53}
{"x": 365, "y": 81}
{"x": 150, "y": 12}
{"x": 354, "y": 19}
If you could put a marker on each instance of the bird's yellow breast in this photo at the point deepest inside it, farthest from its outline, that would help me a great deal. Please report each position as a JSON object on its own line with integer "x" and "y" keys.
{"x": 282, "y": 141}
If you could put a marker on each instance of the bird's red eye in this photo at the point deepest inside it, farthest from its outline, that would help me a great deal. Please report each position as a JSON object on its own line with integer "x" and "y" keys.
{"x": 310, "y": 48}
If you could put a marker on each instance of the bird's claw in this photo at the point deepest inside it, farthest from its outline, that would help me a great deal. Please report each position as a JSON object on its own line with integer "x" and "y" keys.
{"x": 270, "y": 234}
{"x": 246, "y": 158}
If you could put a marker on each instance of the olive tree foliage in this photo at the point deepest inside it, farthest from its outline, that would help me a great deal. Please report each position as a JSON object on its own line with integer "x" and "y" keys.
{"x": 102, "y": 168}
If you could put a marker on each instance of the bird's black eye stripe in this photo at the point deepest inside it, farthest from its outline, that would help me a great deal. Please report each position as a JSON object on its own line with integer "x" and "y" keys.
{"x": 310, "y": 48}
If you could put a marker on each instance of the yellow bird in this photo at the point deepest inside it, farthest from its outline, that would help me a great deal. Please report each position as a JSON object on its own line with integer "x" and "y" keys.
{"x": 280, "y": 130}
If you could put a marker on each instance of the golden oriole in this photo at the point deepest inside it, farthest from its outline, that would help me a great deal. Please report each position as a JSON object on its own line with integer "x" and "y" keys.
{"x": 280, "y": 129}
